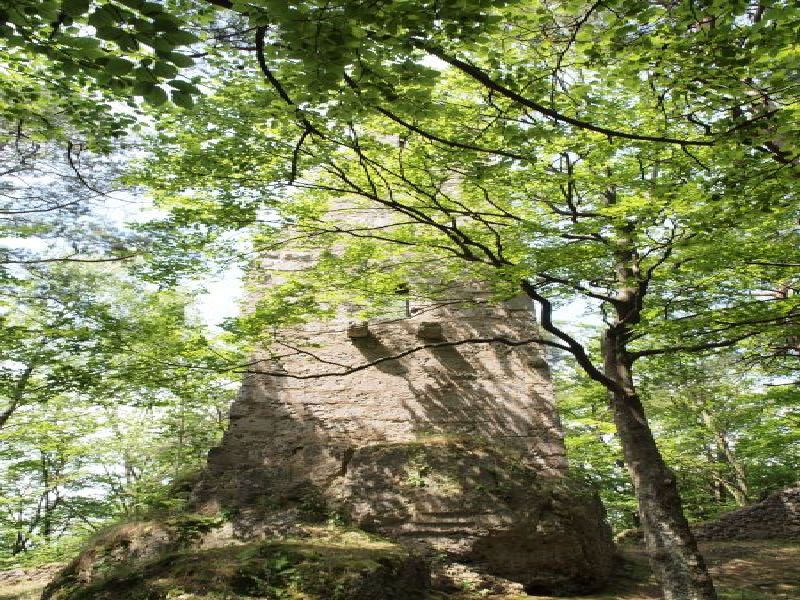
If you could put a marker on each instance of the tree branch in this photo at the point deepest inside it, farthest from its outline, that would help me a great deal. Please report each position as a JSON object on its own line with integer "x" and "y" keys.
{"x": 572, "y": 345}
{"x": 692, "y": 348}
{"x": 481, "y": 77}
{"x": 66, "y": 259}
{"x": 399, "y": 355}
{"x": 432, "y": 136}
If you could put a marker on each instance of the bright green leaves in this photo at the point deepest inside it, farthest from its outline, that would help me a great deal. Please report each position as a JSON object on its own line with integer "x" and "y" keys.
{"x": 485, "y": 176}
{"x": 118, "y": 47}
{"x": 81, "y": 391}
{"x": 320, "y": 42}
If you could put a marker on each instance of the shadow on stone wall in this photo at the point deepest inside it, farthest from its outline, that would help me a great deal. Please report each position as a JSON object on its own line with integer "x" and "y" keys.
{"x": 456, "y": 450}
{"x": 453, "y": 397}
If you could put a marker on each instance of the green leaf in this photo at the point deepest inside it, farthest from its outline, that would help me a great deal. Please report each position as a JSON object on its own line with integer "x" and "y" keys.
{"x": 182, "y": 99}
{"x": 164, "y": 70}
{"x": 134, "y": 4}
{"x": 75, "y": 8}
{"x": 161, "y": 45}
{"x": 156, "y": 96}
{"x": 180, "y": 60}
{"x": 110, "y": 33}
{"x": 151, "y": 8}
{"x": 166, "y": 22}
{"x": 103, "y": 17}
{"x": 83, "y": 43}
{"x": 181, "y": 38}
{"x": 127, "y": 42}
{"x": 141, "y": 88}
{"x": 118, "y": 66}
{"x": 184, "y": 86}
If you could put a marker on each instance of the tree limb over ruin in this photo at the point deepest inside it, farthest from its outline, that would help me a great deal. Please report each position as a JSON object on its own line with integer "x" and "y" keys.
{"x": 433, "y": 346}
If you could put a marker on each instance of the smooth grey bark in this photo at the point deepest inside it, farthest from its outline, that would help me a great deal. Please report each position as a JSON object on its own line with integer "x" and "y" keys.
{"x": 674, "y": 556}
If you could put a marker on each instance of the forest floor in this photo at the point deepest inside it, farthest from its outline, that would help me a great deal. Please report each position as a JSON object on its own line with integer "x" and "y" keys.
{"x": 26, "y": 584}
{"x": 742, "y": 570}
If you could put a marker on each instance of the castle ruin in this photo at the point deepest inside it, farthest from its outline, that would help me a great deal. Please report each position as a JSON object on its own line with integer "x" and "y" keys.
{"x": 401, "y": 427}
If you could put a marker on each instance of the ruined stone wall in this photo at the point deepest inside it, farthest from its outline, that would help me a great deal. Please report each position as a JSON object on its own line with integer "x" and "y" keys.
{"x": 287, "y": 431}
{"x": 777, "y": 516}
{"x": 402, "y": 429}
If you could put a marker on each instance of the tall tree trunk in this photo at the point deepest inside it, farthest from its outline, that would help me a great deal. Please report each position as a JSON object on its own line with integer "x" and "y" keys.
{"x": 717, "y": 486}
{"x": 46, "y": 517}
{"x": 673, "y": 552}
{"x": 20, "y": 541}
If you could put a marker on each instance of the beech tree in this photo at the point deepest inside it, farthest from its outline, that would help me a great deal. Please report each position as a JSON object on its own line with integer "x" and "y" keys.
{"x": 86, "y": 329}
{"x": 715, "y": 417}
{"x": 108, "y": 390}
{"x": 725, "y": 412}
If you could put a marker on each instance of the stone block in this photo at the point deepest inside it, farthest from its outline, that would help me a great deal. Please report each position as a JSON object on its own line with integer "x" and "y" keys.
{"x": 430, "y": 331}
{"x": 356, "y": 330}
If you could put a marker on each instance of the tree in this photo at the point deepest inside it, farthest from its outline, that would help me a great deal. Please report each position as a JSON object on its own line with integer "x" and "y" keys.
{"x": 71, "y": 465}
{"x": 731, "y": 430}
{"x": 71, "y": 73}
{"x": 593, "y": 448}
{"x": 109, "y": 390}
{"x": 727, "y": 432}
{"x": 634, "y": 230}
{"x": 45, "y": 475}
{"x": 100, "y": 50}
{"x": 91, "y": 330}
{"x": 81, "y": 347}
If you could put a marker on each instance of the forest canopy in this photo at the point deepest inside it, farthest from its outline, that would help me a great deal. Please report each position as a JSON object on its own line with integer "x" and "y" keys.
{"x": 638, "y": 159}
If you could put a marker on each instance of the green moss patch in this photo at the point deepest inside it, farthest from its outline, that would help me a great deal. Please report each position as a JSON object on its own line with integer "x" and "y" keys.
{"x": 330, "y": 564}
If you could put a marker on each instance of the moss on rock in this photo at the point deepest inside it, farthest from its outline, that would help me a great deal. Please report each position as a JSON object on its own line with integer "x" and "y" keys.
{"x": 330, "y": 563}
{"x": 482, "y": 504}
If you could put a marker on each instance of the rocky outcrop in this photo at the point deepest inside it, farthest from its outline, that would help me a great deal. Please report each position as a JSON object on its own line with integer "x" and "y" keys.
{"x": 777, "y": 516}
{"x": 318, "y": 563}
{"x": 484, "y": 506}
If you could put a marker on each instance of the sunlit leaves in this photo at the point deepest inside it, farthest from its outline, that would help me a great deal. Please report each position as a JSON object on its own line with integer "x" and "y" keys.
{"x": 108, "y": 46}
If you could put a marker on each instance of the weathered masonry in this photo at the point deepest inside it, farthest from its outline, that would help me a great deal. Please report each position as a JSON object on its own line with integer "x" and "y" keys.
{"x": 456, "y": 446}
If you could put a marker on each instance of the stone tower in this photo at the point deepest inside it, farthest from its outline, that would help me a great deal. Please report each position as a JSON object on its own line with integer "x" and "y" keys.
{"x": 447, "y": 445}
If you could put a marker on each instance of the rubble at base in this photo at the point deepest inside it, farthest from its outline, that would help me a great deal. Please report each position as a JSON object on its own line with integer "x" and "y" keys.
{"x": 775, "y": 517}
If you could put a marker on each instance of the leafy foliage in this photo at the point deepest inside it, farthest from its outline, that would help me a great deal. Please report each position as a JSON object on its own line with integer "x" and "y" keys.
{"x": 109, "y": 392}
{"x": 729, "y": 438}
{"x": 99, "y": 47}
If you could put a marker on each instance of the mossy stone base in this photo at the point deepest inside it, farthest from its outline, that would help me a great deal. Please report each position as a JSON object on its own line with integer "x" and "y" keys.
{"x": 483, "y": 505}
{"x": 330, "y": 563}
